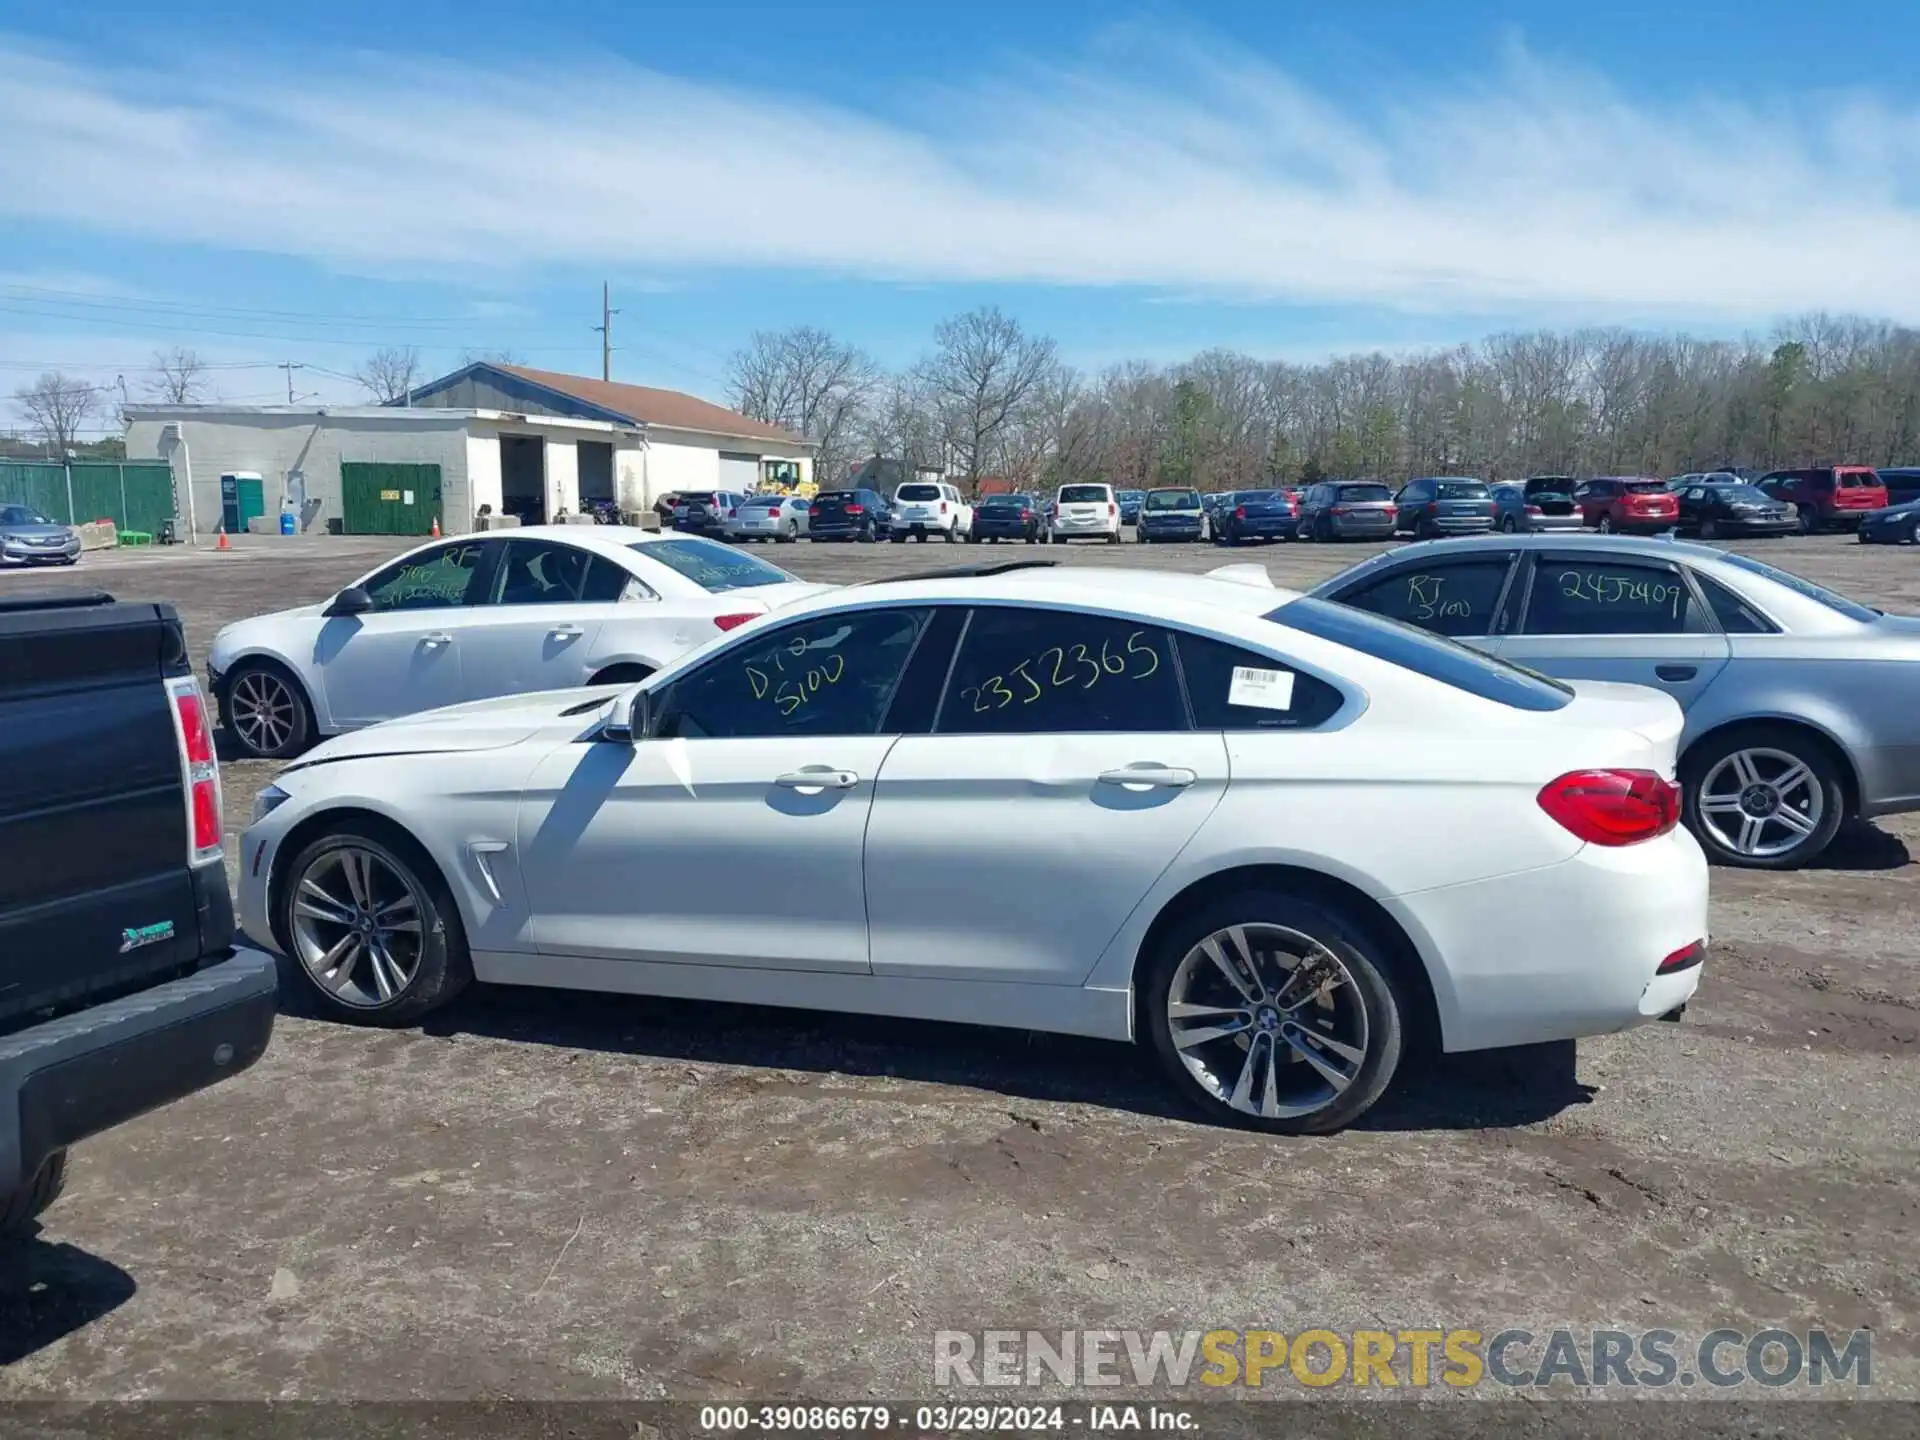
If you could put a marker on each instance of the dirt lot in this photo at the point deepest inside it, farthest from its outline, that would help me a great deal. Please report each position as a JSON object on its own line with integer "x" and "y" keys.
{"x": 548, "y": 1195}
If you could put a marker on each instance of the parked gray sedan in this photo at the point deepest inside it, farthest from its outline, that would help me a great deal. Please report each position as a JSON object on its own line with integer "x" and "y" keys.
{"x": 1802, "y": 706}
{"x": 29, "y": 538}
{"x": 782, "y": 518}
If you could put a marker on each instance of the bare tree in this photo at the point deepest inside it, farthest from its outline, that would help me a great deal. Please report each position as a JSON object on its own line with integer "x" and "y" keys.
{"x": 493, "y": 357}
{"x": 984, "y": 369}
{"x": 179, "y": 376}
{"x": 389, "y": 373}
{"x": 810, "y": 383}
{"x": 57, "y": 406}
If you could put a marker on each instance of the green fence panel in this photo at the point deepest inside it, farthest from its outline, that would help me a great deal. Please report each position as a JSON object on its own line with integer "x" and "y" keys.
{"x": 134, "y": 494}
{"x": 377, "y": 498}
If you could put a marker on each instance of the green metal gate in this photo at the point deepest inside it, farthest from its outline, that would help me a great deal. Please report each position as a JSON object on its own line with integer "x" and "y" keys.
{"x": 134, "y": 494}
{"x": 383, "y": 499}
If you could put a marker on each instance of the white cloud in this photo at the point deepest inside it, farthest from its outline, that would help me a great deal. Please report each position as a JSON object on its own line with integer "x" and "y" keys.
{"x": 1162, "y": 163}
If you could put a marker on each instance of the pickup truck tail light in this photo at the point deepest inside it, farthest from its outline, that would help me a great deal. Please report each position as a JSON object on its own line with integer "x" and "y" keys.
{"x": 201, "y": 771}
{"x": 1613, "y": 807}
{"x": 729, "y": 622}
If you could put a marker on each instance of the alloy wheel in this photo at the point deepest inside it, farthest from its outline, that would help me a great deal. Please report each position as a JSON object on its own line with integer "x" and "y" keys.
{"x": 356, "y": 926}
{"x": 263, "y": 710}
{"x": 1268, "y": 1020}
{"x": 1761, "y": 802}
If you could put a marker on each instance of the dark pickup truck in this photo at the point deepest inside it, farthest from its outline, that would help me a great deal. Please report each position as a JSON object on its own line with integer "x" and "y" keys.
{"x": 120, "y": 986}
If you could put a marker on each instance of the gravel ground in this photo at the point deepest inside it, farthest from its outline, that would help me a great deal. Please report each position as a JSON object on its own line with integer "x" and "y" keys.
{"x": 542, "y": 1195}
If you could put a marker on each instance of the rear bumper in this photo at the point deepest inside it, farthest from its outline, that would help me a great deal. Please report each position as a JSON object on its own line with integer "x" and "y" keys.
{"x": 1187, "y": 529}
{"x": 73, "y": 1077}
{"x": 1262, "y": 528}
{"x": 1347, "y": 527}
{"x": 1644, "y": 524}
{"x": 1551, "y": 524}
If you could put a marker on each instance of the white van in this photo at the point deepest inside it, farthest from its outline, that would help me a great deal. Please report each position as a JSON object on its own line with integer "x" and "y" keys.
{"x": 1089, "y": 511}
{"x": 927, "y": 507}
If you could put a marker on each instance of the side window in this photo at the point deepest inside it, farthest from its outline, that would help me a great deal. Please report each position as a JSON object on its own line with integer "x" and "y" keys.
{"x": 539, "y": 572}
{"x": 1454, "y": 600}
{"x": 1275, "y": 697}
{"x": 433, "y": 580}
{"x": 1609, "y": 597}
{"x": 826, "y": 675}
{"x": 1736, "y": 617}
{"x": 1698, "y": 492}
{"x": 1022, "y": 672}
{"x": 607, "y": 582}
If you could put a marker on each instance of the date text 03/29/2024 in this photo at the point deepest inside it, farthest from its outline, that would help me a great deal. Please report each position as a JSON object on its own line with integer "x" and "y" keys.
{"x": 944, "y": 1419}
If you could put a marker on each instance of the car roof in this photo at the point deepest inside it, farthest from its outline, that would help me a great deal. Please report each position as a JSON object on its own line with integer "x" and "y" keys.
{"x": 1164, "y": 592}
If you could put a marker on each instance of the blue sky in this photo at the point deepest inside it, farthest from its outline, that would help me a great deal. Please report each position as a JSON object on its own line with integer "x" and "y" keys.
{"x": 268, "y": 184}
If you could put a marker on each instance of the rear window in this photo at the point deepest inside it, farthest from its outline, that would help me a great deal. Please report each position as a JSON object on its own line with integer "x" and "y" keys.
{"x": 1434, "y": 656}
{"x": 1857, "y": 479}
{"x": 918, "y": 492}
{"x": 1355, "y": 494}
{"x": 1256, "y": 497}
{"x": 1173, "y": 500}
{"x": 711, "y": 565}
{"x": 1461, "y": 490}
{"x": 1083, "y": 494}
{"x": 702, "y": 497}
{"x": 1744, "y": 494}
{"x": 1833, "y": 600}
{"x": 1645, "y": 487}
{"x": 1005, "y": 502}
{"x": 1550, "y": 485}
{"x": 839, "y": 497}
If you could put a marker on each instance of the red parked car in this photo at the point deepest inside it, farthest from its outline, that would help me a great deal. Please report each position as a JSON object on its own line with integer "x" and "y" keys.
{"x": 1628, "y": 504}
{"x": 1827, "y": 496}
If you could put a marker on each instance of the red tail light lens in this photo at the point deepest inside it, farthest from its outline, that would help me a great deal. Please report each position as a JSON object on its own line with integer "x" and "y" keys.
{"x": 1112, "y": 509}
{"x": 1685, "y": 958}
{"x": 1535, "y": 510}
{"x": 728, "y": 622}
{"x": 206, "y": 840}
{"x": 1613, "y": 807}
{"x": 1239, "y": 512}
{"x": 943, "y": 507}
{"x": 1026, "y": 514}
{"x": 856, "y": 510}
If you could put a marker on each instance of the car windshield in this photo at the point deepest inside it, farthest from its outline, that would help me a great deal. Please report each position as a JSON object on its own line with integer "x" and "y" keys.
{"x": 21, "y": 515}
{"x": 1460, "y": 490}
{"x": 1425, "y": 653}
{"x": 1833, "y": 600}
{"x": 711, "y": 565}
{"x": 1353, "y": 493}
{"x": 1173, "y": 500}
{"x": 1083, "y": 494}
{"x": 1645, "y": 487}
{"x": 1744, "y": 494}
{"x": 918, "y": 492}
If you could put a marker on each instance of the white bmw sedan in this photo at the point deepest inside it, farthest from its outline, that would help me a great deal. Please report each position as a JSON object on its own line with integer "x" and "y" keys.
{"x": 543, "y": 608}
{"x": 1277, "y": 841}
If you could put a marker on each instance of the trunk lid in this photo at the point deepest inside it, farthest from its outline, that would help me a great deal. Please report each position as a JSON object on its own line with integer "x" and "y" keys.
{"x": 1643, "y": 724}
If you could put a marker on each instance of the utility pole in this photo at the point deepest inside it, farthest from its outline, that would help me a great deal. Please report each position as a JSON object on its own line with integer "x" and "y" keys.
{"x": 289, "y": 367}
{"x": 605, "y": 327}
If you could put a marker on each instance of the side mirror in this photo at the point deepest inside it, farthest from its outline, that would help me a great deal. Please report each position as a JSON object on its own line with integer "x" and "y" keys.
{"x": 632, "y": 717}
{"x": 351, "y": 601}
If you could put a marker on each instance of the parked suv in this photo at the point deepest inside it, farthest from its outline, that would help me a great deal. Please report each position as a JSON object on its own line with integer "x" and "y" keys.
{"x": 850, "y": 515}
{"x": 1444, "y": 505}
{"x": 1902, "y": 482}
{"x": 1627, "y": 504}
{"x": 1347, "y": 510}
{"x": 1085, "y": 512}
{"x": 121, "y": 989}
{"x": 929, "y": 507}
{"x": 705, "y": 512}
{"x": 1828, "y": 496}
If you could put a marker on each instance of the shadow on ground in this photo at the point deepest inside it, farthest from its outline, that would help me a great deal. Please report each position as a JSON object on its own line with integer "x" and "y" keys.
{"x": 1862, "y": 845}
{"x": 1497, "y": 1088}
{"x": 49, "y": 1291}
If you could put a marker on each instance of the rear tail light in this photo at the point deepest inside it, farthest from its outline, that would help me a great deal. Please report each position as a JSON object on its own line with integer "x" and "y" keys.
{"x": 1342, "y": 509}
{"x": 194, "y": 728}
{"x": 856, "y": 509}
{"x": 732, "y": 514}
{"x": 728, "y": 622}
{"x": 1112, "y": 509}
{"x": 1535, "y": 510}
{"x": 1026, "y": 514}
{"x": 1685, "y": 958}
{"x": 1239, "y": 512}
{"x": 1613, "y": 807}
{"x": 943, "y": 507}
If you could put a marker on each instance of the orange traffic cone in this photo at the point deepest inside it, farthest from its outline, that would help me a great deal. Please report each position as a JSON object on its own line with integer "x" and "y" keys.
{"x": 221, "y": 543}
{"x": 435, "y": 532}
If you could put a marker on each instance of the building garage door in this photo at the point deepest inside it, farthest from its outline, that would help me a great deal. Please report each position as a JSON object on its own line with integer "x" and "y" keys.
{"x": 739, "y": 472}
{"x": 383, "y": 499}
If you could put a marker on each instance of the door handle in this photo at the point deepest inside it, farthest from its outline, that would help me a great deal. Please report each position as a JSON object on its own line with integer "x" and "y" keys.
{"x": 437, "y": 637}
{"x": 1149, "y": 777}
{"x": 1676, "y": 672}
{"x": 565, "y": 632}
{"x": 816, "y": 780}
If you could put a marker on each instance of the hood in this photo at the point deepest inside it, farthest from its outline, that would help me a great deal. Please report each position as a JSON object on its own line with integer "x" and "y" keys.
{"x": 229, "y": 639}
{"x": 36, "y": 532}
{"x": 477, "y": 725}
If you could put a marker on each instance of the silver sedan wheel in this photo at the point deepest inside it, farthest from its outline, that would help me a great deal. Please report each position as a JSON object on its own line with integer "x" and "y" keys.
{"x": 1267, "y": 1020}
{"x": 263, "y": 710}
{"x": 1762, "y": 802}
{"x": 356, "y": 926}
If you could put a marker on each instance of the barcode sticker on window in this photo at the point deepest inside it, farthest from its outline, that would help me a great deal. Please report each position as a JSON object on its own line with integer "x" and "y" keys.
{"x": 1262, "y": 689}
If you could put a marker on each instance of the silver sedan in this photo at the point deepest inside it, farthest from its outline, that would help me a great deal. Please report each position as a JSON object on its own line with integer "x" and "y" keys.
{"x": 1802, "y": 706}
{"x": 782, "y": 518}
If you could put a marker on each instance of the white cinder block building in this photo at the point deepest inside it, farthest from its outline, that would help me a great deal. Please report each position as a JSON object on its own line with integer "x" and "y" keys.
{"x": 526, "y": 442}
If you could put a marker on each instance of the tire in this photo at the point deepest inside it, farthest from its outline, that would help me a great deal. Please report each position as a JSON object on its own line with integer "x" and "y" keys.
{"x": 1914, "y": 537}
{"x": 441, "y": 968}
{"x": 953, "y": 534}
{"x": 1809, "y": 521}
{"x": 266, "y": 710}
{"x": 21, "y": 1207}
{"x": 793, "y": 533}
{"x": 1605, "y": 527}
{"x": 1367, "y": 987}
{"x": 1709, "y": 773}
{"x": 1114, "y": 538}
{"x": 1709, "y": 528}
{"x": 1509, "y": 525}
